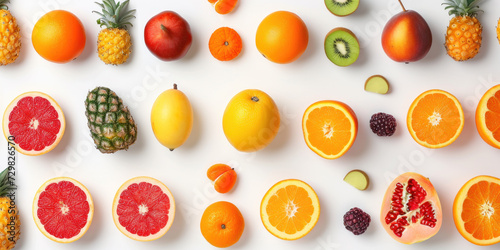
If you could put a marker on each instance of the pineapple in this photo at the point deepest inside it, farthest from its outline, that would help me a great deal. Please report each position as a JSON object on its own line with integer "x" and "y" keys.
{"x": 110, "y": 122}
{"x": 10, "y": 37}
{"x": 9, "y": 216}
{"x": 464, "y": 34}
{"x": 113, "y": 42}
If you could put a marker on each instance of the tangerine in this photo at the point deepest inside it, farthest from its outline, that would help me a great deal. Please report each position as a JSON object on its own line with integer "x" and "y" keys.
{"x": 58, "y": 36}
{"x": 225, "y": 44}
{"x": 222, "y": 224}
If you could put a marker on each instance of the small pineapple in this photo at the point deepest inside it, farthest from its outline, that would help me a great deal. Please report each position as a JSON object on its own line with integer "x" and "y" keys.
{"x": 9, "y": 216}
{"x": 110, "y": 122}
{"x": 113, "y": 42}
{"x": 464, "y": 34}
{"x": 10, "y": 37}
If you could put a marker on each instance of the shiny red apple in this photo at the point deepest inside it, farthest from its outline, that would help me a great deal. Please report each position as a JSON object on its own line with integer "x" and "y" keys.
{"x": 168, "y": 36}
{"x": 406, "y": 36}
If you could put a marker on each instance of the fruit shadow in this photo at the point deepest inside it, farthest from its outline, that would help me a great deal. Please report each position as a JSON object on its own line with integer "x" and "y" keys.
{"x": 95, "y": 229}
{"x": 89, "y": 50}
{"x": 68, "y": 135}
{"x": 317, "y": 233}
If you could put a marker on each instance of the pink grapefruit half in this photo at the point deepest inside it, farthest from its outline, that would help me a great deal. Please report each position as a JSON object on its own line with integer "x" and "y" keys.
{"x": 143, "y": 209}
{"x": 63, "y": 209}
{"x": 36, "y": 122}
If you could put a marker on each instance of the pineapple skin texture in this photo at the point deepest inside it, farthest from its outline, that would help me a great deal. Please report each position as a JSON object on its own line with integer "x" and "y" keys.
{"x": 7, "y": 240}
{"x": 463, "y": 38}
{"x": 114, "y": 45}
{"x": 110, "y": 122}
{"x": 10, "y": 38}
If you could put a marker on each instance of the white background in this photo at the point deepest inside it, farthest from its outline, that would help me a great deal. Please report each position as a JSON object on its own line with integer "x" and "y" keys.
{"x": 210, "y": 84}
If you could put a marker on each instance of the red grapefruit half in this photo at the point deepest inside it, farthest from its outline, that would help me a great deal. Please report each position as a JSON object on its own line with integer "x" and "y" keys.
{"x": 63, "y": 209}
{"x": 143, "y": 209}
{"x": 36, "y": 122}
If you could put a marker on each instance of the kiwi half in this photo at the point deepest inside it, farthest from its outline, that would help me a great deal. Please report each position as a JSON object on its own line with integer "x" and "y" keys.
{"x": 341, "y": 47}
{"x": 342, "y": 7}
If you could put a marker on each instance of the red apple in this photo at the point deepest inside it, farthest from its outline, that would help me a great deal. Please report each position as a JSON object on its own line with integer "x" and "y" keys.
{"x": 168, "y": 36}
{"x": 406, "y": 37}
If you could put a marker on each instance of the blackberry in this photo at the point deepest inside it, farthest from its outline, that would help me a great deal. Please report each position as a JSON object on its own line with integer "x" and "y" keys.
{"x": 356, "y": 221}
{"x": 383, "y": 124}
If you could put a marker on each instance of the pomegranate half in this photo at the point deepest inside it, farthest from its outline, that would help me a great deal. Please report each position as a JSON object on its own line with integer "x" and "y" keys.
{"x": 411, "y": 211}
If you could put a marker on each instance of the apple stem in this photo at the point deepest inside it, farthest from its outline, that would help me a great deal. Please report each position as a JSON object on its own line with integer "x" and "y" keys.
{"x": 163, "y": 28}
{"x": 402, "y": 6}
{"x": 175, "y": 85}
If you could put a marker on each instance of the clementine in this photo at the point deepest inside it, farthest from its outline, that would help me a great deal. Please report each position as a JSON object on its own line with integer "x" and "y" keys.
{"x": 223, "y": 177}
{"x": 282, "y": 37}
{"x": 225, "y": 44}
{"x": 224, "y": 6}
{"x": 58, "y": 36}
{"x": 222, "y": 224}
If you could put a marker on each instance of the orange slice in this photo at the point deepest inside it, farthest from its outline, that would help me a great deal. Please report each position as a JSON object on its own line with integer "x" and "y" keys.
{"x": 290, "y": 209}
{"x": 330, "y": 128}
{"x": 435, "y": 119}
{"x": 476, "y": 210}
{"x": 488, "y": 116}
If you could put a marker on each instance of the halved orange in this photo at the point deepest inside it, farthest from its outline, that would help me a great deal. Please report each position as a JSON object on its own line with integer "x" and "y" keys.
{"x": 476, "y": 210}
{"x": 290, "y": 209}
{"x": 435, "y": 119}
{"x": 330, "y": 128}
{"x": 488, "y": 116}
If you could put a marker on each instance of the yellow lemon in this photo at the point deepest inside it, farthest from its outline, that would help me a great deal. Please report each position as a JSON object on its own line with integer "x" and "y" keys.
{"x": 172, "y": 118}
{"x": 251, "y": 120}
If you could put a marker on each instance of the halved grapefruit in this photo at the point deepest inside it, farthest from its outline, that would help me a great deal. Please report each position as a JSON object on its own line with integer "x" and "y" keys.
{"x": 35, "y": 121}
{"x": 63, "y": 209}
{"x": 143, "y": 209}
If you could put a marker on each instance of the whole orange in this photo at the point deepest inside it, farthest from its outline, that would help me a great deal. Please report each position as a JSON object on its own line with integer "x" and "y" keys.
{"x": 58, "y": 36}
{"x": 222, "y": 224}
{"x": 282, "y": 37}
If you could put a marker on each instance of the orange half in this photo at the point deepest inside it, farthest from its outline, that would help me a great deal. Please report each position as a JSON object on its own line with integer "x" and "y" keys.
{"x": 488, "y": 116}
{"x": 476, "y": 210}
{"x": 290, "y": 209}
{"x": 330, "y": 128}
{"x": 435, "y": 119}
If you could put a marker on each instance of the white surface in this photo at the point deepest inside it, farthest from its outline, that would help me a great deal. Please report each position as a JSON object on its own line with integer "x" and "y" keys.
{"x": 210, "y": 84}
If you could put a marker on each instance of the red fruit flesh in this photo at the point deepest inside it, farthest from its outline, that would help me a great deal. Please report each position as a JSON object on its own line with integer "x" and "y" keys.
{"x": 35, "y": 123}
{"x": 411, "y": 211}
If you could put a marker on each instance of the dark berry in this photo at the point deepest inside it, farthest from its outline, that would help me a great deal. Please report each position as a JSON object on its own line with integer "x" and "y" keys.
{"x": 383, "y": 124}
{"x": 356, "y": 221}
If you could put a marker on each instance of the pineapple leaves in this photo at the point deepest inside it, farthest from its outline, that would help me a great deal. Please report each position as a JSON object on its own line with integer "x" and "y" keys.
{"x": 6, "y": 185}
{"x": 114, "y": 15}
{"x": 462, "y": 7}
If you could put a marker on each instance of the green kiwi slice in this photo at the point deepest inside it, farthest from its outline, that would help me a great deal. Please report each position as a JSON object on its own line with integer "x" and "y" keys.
{"x": 341, "y": 47}
{"x": 342, "y": 7}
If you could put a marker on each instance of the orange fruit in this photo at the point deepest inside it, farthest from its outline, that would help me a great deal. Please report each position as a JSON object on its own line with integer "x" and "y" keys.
{"x": 488, "y": 116}
{"x": 330, "y": 128}
{"x": 35, "y": 121}
{"x": 225, "y": 44}
{"x": 222, "y": 224}
{"x": 290, "y": 209}
{"x": 282, "y": 37}
{"x": 435, "y": 119}
{"x": 143, "y": 209}
{"x": 63, "y": 209}
{"x": 223, "y": 6}
{"x": 58, "y": 36}
{"x": 223, "y": 177}
{"x": 476, "y": 210}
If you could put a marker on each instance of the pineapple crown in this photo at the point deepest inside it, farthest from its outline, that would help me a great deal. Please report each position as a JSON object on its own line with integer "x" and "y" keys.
{"x": 6, "y": 185}
{"x": 462, "y": 7}
{"x": 3, "y": 4}
{"x": 114, "y": 15}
